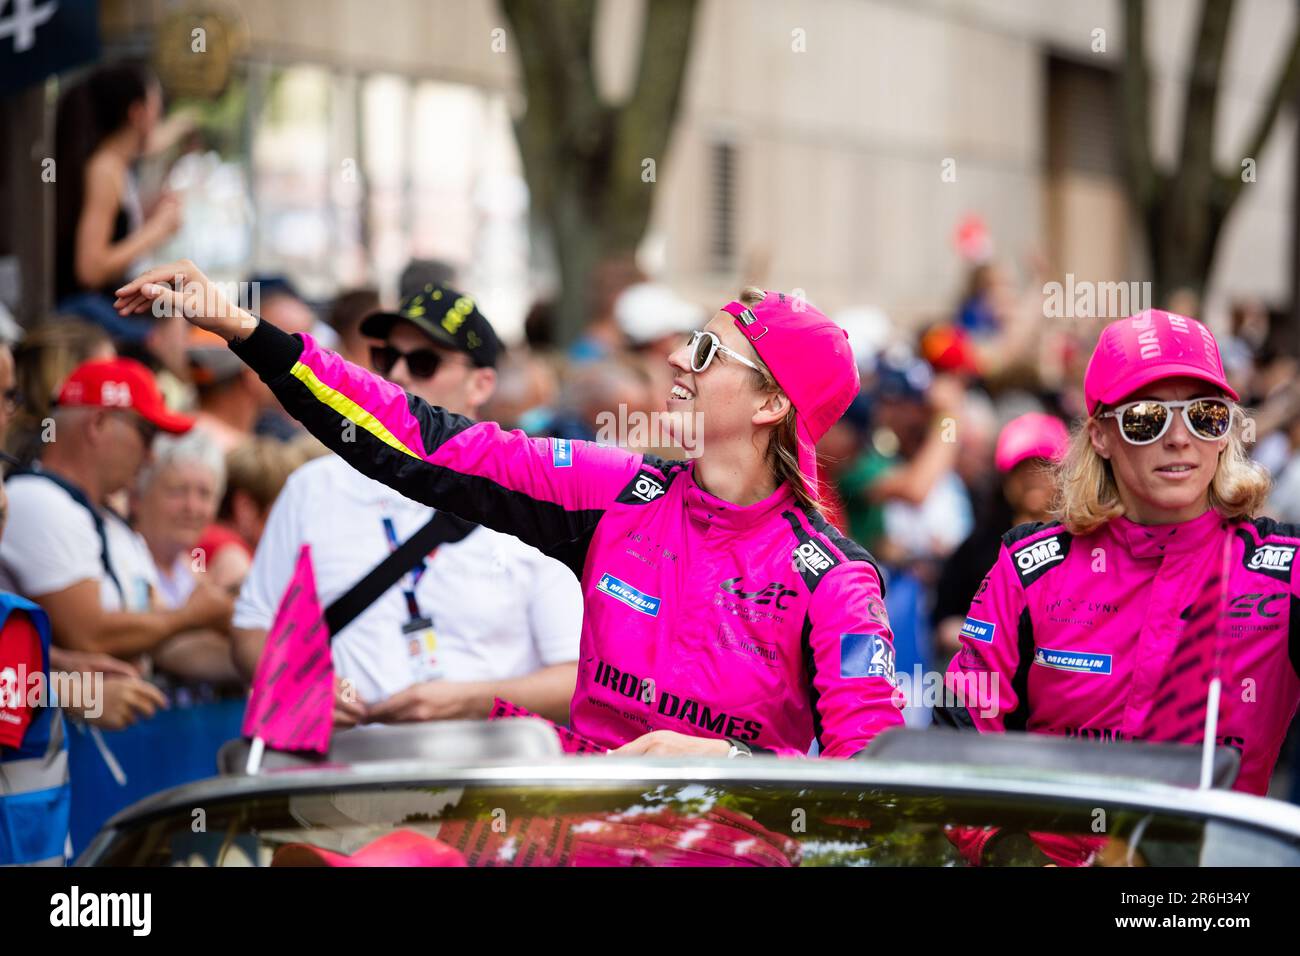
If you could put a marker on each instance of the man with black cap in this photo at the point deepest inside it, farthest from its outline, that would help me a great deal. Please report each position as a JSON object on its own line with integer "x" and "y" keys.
{"x": 480, "y": 617}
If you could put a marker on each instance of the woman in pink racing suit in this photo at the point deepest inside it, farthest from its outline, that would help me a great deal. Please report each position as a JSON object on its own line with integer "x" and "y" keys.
{"x": 723, "y": 614}
{"x": 1108, "y": 623}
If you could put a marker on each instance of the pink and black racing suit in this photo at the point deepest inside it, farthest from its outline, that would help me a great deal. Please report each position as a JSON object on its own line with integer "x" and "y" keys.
{"x": 1075, "y": 635}
{"x": 758, "y": 623}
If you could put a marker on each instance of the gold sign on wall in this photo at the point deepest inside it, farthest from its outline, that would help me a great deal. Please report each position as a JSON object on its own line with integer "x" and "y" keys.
{"x": 195, "y": 48}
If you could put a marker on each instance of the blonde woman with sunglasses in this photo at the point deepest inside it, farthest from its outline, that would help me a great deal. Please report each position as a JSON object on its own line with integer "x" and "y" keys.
{"x": 1109, "y": 622}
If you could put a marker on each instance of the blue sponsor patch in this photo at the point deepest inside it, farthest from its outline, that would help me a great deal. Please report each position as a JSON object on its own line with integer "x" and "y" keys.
{"x": 1080, "y": 662}
{"x": 561, "y": 452}
{"x": 866, "y": 655}
{"x": 622, "y": 591}
{"x": 978, "y": 630}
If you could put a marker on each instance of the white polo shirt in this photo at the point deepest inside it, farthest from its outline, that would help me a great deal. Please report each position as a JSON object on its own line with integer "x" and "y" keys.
{"x": 500, "y": 608}
{"x": 50, "y": 543}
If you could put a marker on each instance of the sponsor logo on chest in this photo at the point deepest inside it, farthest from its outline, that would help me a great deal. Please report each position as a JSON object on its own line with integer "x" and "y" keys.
{"x": 1078, "y": 662}
{"x": 633, "y": 598}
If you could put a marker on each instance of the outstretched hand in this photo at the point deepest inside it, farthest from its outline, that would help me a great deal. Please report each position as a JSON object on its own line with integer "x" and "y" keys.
{"x": 181, "y": 288}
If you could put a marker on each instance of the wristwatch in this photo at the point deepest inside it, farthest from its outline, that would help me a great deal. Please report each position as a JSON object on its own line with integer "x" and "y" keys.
{"x": 738, "y": 749}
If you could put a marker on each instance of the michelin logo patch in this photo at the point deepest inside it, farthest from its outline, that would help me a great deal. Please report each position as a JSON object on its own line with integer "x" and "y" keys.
{"x": 978, "y": 630}
{"x": 561, "y": 452}
{"x": 1076, "y": 661}
{"x": 622, "y": 591}
{"x": 866, "y": 655}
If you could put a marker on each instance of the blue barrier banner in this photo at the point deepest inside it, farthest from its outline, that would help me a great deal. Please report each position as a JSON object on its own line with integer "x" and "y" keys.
{"x": 175, "y": 746}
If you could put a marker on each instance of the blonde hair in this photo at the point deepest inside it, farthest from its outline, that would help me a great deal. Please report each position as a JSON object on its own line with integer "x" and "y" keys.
{"x": 259, "y": 468}
{"x": 1088, "y": 497}
{"x": 783, "y": 445}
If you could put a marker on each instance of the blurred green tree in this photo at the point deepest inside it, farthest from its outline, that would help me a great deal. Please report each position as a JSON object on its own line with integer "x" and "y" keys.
{"x": 1182, "y": 210}
{"x": 585, "y": 160}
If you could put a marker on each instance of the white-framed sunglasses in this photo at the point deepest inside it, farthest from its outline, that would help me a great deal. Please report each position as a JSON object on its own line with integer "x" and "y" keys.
{"x": 1147, "y": 421}
{"x": 705, "y": 345}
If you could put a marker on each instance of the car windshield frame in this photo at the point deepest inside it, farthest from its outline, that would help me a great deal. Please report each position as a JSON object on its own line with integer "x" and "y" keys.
{"x": 1277, "y": 822}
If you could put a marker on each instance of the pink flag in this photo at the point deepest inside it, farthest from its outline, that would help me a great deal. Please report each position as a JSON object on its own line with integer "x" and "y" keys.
{"x": 571, "y": 741}
{"x": 292, "y": 705}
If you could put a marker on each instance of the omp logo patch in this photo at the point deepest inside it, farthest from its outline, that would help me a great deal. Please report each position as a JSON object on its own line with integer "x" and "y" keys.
{"x": 810, "y": 557}
{"x": 647, "y": 488}
{"x": 1034, "y": 559}
{"x": 1079, "y": 662}
{"x": 622, "y": 591}
{"x": 978, "y": 630}
{"x": 561, "y": 452}
{"x": 866, "y": 655}
{"x": 1272, "y": 559}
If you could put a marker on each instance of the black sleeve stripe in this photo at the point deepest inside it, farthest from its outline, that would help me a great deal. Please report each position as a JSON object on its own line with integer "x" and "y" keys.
{"x": 957, "y": 717}
{"x": 268, "y": 351}
{"x": 542, "y": 524}
{"x": 1019, "y": 718}
{"x": 572, "y": 554}
{"x": 961, "y": 717}
{"x": 826, "y": 541}
{"x": 810, "y": 670}
{"x": 1293, "y": 635}
{"x": 1267, "y": 527}
{"x": 1022, "y": 531}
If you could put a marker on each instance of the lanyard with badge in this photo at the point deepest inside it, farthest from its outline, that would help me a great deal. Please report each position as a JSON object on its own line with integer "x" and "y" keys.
{"x": 418, "y": 635}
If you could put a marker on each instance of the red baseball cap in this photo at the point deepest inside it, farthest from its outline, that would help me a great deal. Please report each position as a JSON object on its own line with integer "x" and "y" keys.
{"x": 1147, "y": 347}
{"x": 121, "y": 383}
{"x": 399, "y": 848}
{"x": 810, "y": 358}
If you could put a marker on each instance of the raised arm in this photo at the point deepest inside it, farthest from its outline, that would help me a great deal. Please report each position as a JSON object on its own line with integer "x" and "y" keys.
{"x": 546, "y": 492}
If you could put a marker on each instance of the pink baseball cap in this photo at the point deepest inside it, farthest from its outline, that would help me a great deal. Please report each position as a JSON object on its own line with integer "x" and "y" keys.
{"x": 1033, "y": 435}
{"x": 404, "y": 848}
{"x": 1146, "y": 347}
{"x": 810, "y": 358}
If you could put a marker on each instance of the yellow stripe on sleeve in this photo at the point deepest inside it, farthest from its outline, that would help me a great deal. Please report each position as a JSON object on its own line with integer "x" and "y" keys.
{"x": 348, "y": 408}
